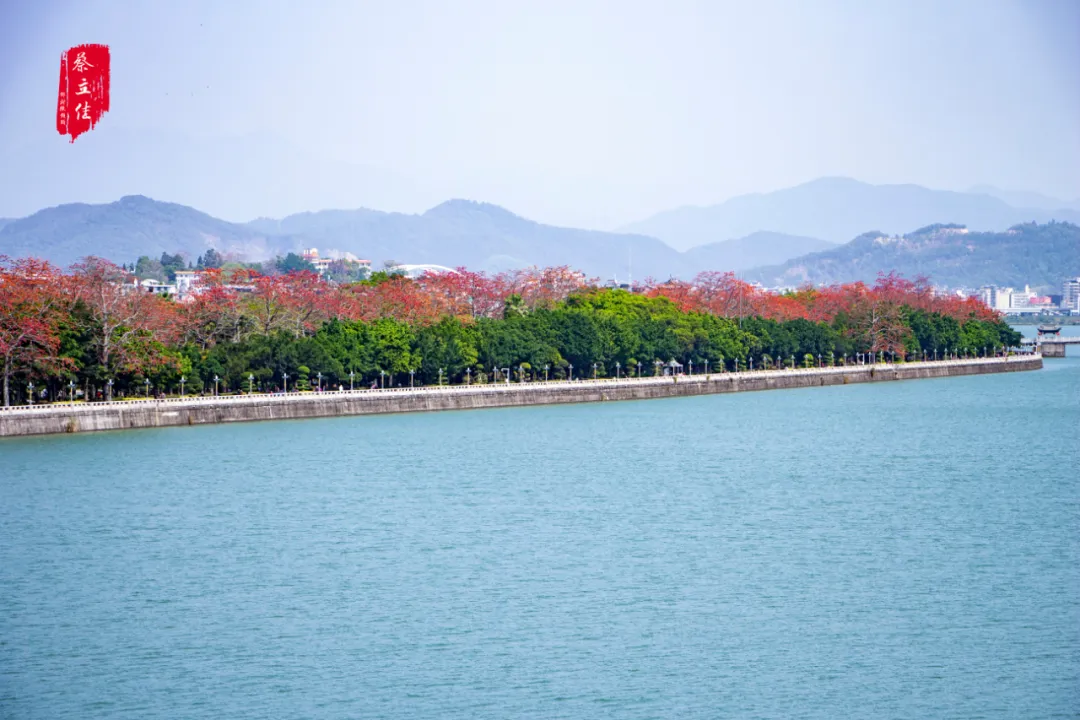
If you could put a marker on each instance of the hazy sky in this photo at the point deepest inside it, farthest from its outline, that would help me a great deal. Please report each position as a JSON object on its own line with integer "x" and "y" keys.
{"x": 571, "y": 112}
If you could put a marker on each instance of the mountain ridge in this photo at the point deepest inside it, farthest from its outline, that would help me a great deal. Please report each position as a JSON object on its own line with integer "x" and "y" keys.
{"x": 487, "y": 237}
{"x": 837, "y": 209}
{"x": 950, "y": 254}
{"x": 456, "y": 232}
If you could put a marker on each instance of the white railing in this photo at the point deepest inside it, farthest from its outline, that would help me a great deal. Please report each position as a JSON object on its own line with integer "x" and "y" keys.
{"x": 497, "y": 387}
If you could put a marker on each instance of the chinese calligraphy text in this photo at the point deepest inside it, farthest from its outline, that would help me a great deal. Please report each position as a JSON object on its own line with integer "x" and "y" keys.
{"x": 84, "y": 89}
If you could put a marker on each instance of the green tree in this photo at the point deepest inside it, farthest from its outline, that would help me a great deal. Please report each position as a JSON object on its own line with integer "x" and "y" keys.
{"x": 211, "y": 259}
{"x": 147, "y": 267}
{"x": 293, "y": 263}
{"x": 450, "y": 345}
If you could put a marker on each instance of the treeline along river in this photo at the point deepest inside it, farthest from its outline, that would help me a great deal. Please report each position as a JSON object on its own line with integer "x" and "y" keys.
{"x": 887, "y": 550}
{"x": 90, "y": 333}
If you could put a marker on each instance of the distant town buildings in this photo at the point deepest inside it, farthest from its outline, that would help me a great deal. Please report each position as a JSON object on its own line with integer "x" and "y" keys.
{"x": 322, "y": 264}
{"x": 338, "y": 265}
{"x": 1026, "y": 302}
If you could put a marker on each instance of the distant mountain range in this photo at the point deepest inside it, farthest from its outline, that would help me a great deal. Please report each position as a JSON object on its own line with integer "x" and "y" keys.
{"x": 782, "y": 238}
{"x": 457, "y": 232}
{"x": 124, "y": 230}
{"x": 1021, "y": 199}
{"x": 759, "y": 248}
{"x": 838, "y": 209}
{"x": 1039, "y": 255}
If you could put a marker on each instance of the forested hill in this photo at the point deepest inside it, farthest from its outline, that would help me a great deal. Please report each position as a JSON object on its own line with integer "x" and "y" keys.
{"x": 1039, "y": 255}
{"x": 132, "y": 226}
{"x": 456, "y": 233}
{"x": 838, "y": 209}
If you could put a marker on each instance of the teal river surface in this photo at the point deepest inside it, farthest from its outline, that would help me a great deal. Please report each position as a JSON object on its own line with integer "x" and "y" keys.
{"x": 898, "y": 550}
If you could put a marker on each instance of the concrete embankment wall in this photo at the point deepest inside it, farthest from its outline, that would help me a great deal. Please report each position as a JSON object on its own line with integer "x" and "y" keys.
{"x": 43, "y": 420}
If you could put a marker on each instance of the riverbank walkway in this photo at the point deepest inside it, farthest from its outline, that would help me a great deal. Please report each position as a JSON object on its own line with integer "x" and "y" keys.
{"x": 495, "y": 387}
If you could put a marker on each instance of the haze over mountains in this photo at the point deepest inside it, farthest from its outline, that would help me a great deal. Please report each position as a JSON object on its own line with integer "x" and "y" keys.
{"x": 261, "y": 170}
{"x": 839, "y": 209}
{"x": 480, "y": 236}
{"x": 789, "y": 236}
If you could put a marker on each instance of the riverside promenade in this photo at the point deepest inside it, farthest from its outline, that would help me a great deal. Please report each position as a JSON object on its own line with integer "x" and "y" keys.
{"x": 130, "y": 414}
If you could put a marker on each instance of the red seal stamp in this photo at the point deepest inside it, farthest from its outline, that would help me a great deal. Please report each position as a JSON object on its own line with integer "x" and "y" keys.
{"x": 84, "y": 89}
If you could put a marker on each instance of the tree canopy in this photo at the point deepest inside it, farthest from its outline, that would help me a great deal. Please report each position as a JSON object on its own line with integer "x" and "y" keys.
{"x": 92, "y": 325}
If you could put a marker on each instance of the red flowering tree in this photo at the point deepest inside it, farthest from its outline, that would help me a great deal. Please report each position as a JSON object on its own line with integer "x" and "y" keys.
{"x": 130, "y": 328}
{"x": 213, "y": 315}
{"x": 31, "y": 310}
{"x": 466, "y": 294}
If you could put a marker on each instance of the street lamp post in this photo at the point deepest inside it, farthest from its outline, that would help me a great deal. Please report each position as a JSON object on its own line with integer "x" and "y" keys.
{"x": 352, "y": 375}
{"x": 639, "y": 370}
{"x": 521, "y": 373}
{"x": 318, "y": 382}
{"x": 30, "y": 392}
{"x": 820, "y": 364}
{"x": 382, "y": 379}
{"x": 706, "y": 368}
{"x": 546, "y": 366}
{"x": 440, "y": 377}
{"x": 108, "y": 391}
{"x": 594, "y": 366}
{"x": 691, "y": 364}
{"x": 468, "y": 375}
{"x": 71, "y": 392}
{"x": 182, "y": 381}
{"x": 570, "y": 377}
{"x": 412, "y": 375}
{"x": 617, "y": 366}
{"x": 251, "y": 383}
{"x": 285, "y": 380}
{"x": 147, "y": 388}
{"x": 494, "y": 373}
{"x": 215, "y": 385}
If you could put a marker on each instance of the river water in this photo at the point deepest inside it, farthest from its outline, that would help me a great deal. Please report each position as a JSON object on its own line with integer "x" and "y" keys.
{"x": 897, "y": 550}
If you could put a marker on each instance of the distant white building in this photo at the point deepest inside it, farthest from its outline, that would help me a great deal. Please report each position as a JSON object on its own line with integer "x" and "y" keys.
{"x": 1021, "y": 300}
{"x": 322, "y": 264}
{"x": 996, "y": 298}
{"x": 157, "y": 287}
{"x": 416, "y": 271}
{"x": 188, "y": 283}
{"x": 1011, "y": 301}
{"x": 1070, "y": 295}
